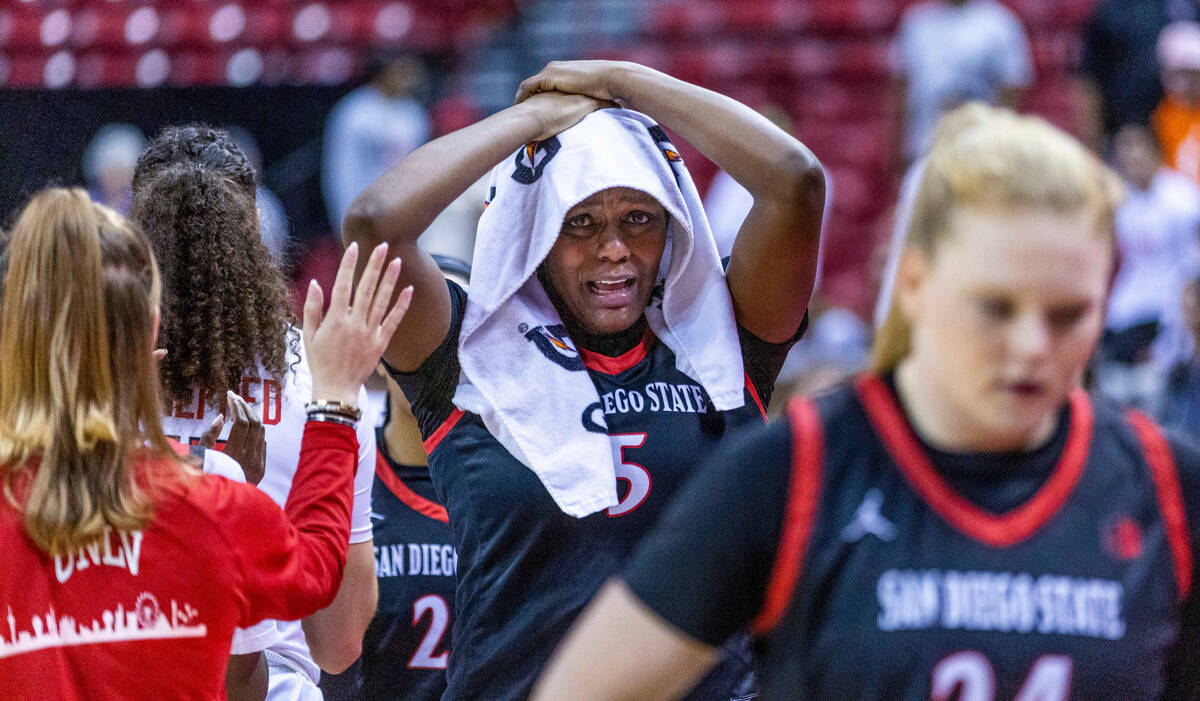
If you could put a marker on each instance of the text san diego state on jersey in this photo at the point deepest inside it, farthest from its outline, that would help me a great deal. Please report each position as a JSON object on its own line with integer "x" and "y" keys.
{"x": 878, "y": 577}
{"x": 526, "y": 569}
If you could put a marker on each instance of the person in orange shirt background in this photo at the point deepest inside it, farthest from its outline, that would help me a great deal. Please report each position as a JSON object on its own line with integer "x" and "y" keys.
{"x": 1176, "y": 121}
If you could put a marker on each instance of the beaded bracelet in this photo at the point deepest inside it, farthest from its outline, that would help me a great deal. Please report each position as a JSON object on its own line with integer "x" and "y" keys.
{"x": 331, "y": 418}
{"x": 332, "y": 406}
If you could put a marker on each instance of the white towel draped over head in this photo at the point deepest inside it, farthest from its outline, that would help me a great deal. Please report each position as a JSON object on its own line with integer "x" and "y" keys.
{"x": 520, "y": 371}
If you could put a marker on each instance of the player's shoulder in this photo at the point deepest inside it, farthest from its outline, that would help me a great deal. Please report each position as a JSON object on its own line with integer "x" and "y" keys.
{"x": 1185, "y": 451}
{"x": 837, "y": 419}
{"x": 840, "y": 407}
{"x": 1114, "y": 422}
{"x": 1120, "y": 435}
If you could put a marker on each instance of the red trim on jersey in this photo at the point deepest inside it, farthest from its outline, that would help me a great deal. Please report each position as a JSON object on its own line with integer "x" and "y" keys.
{"x": 803, "y": 498}
{"x": 754, "y": 395}
{"x": 180, "y": 449}
{"x": 1166, "y": 484}
{"x": 615, "y": 366}
{"x": 432, "y": 442}
{"x": 405, "y": 494}
{"x": 996, "y": 530}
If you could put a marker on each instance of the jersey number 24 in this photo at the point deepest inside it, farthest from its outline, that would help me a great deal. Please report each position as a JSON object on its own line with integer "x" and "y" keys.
{"x": 971, "y": 675}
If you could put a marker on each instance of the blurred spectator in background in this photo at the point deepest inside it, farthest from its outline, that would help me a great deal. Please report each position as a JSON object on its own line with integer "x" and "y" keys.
{"x": 108, "y": 163}
{"x": 370, "y": 129}
{"x": 453, "y": 232}
{"x": 1177, "y": 118}
{"x": 1119, "y": 68}
{"x": 948, "y": 52}
{"x": 272, "y": 220}
{"x": 727, "y": 203}
{"x": 1157, "y": 227}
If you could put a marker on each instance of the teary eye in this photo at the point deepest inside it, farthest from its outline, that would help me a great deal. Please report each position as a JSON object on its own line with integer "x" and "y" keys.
{"x": 579, "y": 221}
{"x": 639, "y": 217}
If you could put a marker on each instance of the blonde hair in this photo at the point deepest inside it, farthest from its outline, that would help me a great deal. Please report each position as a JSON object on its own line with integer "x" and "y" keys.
{"x": 79, "y": 394}
{"x": 987, "y": 157}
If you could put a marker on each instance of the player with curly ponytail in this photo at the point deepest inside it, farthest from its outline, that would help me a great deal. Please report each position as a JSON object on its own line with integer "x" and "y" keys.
{"x": 227, "y": 327}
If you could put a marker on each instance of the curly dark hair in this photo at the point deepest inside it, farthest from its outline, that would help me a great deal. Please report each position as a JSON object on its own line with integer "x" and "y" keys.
{"x": 225, "y": 302}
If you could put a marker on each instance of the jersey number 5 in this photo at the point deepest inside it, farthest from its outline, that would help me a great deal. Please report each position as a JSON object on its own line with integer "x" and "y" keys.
{"x": 636, "y": 476}
{"x": 972, "y": 677}
{"x": 424, "y": 658}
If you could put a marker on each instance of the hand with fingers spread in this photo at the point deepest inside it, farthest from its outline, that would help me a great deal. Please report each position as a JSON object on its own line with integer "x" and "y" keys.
{"x": 346, "y": 342}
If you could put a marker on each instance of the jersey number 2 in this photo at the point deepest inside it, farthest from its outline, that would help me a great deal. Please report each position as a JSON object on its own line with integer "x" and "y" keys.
{"x": 439, "y": 618}
{"x": 971, "y": 675}
{"x": 631, "y": 473}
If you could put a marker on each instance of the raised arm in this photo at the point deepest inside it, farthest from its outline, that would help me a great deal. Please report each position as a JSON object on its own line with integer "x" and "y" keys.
{"x": 774, "y": 259}
{"x": 398, "y": 207}
{"x": 292, "y": 566}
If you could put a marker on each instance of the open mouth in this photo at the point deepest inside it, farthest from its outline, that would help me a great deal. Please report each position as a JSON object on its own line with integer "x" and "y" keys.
{"x": 613, "y": 285}
{"x": 612, "y": 293}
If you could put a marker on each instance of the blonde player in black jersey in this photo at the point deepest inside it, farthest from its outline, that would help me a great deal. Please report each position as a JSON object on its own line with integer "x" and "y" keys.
{"x": 962, "y": 522}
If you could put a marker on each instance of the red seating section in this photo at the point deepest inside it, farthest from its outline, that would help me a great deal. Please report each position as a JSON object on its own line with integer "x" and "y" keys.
{"x": 86, "y": 43}
{"x": 826, "y": 62}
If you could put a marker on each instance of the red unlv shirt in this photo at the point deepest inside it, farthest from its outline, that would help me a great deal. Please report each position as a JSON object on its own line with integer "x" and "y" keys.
{"x": 150, "y": 613}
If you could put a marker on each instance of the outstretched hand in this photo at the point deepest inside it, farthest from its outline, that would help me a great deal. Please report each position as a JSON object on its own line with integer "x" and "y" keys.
{"x": 345, "y": 343}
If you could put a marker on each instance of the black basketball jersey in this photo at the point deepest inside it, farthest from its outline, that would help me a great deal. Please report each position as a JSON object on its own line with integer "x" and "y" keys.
{"x": 407, "y": 644}
{"x": 526, "y": 569}
{"x": 866, "y": 573}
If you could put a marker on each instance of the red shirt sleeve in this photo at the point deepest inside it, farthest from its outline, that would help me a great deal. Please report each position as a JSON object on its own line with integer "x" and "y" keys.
{"x": 290, "y": 562}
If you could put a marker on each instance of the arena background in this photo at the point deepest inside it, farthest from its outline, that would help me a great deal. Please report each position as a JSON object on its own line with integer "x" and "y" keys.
{"x": 276, "y": 67}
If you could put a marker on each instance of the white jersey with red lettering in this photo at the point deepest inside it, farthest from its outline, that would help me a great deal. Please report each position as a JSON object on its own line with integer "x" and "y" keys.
{"x": 281, "y": 406}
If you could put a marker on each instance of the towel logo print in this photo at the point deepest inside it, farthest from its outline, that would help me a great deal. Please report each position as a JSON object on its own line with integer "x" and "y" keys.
{"x": 554, "y": 343}
{"x": 532, "y": 160}
{"x": 660, "y": 137}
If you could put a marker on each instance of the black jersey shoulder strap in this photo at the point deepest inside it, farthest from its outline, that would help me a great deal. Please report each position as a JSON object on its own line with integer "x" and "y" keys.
{"x": 803, "y": 499}
{"x": 1170, "y": 500}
